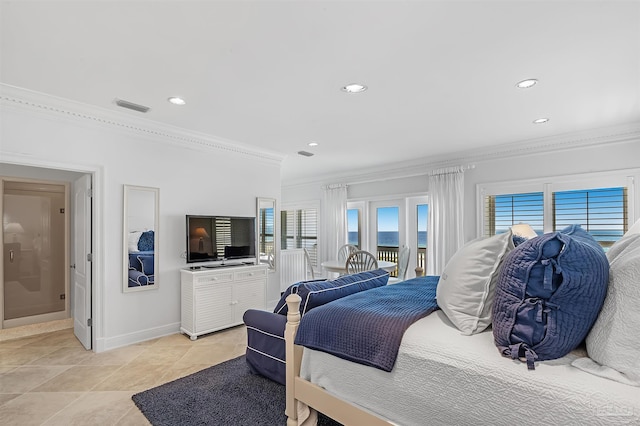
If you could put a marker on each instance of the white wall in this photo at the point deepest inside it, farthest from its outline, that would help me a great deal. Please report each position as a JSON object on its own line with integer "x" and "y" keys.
{"x": 557, "y": 159}
{"x": 193, "y": 179}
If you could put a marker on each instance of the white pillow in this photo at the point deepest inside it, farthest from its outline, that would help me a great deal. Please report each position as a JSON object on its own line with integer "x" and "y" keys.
{"x": 614, "y": 339}
{"x": 133, "y": 239}
{"x": 467, "y": 285}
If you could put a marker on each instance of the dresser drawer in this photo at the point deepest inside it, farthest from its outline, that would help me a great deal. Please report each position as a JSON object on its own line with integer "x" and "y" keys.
{"x": 247, "y": 275}
{"x": 215, "y": 278}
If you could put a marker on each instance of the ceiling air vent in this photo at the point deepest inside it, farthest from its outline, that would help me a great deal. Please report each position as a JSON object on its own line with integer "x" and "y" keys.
{"x": 131, "y": 105}
{"x": 306, "y": 153}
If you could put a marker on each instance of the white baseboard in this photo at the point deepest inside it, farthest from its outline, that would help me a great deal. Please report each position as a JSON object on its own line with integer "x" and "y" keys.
{"x": 108, "y": 343}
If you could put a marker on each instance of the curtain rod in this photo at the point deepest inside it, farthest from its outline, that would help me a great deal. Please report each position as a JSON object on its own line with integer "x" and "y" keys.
{"x": 449, "y": 170}
{"x": 335, "y": 185}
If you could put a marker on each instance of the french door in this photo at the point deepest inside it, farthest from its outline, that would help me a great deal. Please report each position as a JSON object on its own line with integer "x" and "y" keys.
{"x": 382, "y": 227}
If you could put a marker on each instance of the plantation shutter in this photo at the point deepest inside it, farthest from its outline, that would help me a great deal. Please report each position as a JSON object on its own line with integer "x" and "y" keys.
{"x": 300, "y": 230}
{"x": 504, "y": 211}
{"x": 601, "y": 212}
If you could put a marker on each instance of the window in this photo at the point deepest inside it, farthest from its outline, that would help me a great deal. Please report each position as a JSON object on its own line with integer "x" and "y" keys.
{"x": 504, "y": 211}
{"x": 353, "y": 227}
{"x": 601, "y": 203}
{"x": 388, "y": 233}
{"x": 602, "y": 212}
{"x": 300, "y": 230}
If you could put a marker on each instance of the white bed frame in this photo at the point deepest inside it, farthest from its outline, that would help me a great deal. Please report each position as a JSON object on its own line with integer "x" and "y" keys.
{"x": 300, "y": 390}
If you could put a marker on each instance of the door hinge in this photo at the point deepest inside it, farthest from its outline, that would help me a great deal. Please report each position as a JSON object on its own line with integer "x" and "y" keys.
{"x": 90, "y": 192}
{"x": 88, "y": 322}
{"x": 89, "y": 257}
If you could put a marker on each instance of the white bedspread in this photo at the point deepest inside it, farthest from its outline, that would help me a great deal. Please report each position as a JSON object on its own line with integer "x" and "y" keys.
{"x": 444, "y": 378}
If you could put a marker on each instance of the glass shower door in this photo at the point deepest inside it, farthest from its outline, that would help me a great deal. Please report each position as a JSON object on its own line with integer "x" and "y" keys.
{"x": 34, "y": 252}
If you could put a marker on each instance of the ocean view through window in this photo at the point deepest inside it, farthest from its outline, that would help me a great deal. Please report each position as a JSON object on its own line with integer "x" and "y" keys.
{"x": 600, "y": 211}
{"x": 422, "y": 217}
{"x": 353, "y": 227}
{"x": 388, "y": 234}
{"x": 384, "y": 226}
{"x": 390, "y": 238}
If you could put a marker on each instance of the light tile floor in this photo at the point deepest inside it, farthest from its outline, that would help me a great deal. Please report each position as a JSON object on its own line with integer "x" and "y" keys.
{"x": 50, "y": 379}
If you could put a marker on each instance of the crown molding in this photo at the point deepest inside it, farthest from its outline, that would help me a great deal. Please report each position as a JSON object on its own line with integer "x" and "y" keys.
{"x": 422, "y": 166}
{"x": 56, "y": 107}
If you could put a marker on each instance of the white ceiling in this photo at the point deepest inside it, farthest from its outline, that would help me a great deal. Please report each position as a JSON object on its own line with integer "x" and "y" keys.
{"x": 441, "y": 74}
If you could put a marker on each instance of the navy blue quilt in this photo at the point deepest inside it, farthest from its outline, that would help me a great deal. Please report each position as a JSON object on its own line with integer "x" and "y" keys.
{"x": 367, "y": 327}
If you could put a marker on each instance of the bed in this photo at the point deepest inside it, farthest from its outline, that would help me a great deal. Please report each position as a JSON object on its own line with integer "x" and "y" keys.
{"x": 469, "y": 386}
{"x": 442, "y": 377}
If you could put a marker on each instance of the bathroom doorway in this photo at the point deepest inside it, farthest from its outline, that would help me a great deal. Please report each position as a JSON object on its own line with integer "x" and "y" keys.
{"x": 35, "y": 239}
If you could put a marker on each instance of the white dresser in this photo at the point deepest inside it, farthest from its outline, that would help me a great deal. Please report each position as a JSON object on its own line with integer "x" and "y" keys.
{"x": 217, "y": 298}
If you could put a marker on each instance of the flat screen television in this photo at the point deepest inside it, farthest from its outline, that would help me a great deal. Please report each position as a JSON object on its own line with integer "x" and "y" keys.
{"x": 217, "y": 238}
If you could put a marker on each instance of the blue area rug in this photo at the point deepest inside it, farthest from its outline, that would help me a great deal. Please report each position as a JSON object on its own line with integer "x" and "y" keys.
{"x": 225, "y": 394}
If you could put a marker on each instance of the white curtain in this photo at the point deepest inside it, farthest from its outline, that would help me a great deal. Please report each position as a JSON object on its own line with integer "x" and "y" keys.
{"x": 446, "y": 205}
{"x": 333, "y": 221}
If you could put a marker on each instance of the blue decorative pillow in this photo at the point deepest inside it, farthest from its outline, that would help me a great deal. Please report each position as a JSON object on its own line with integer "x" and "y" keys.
{"x": 281, "y": 306}
{"x": 318, "y": 293}
{"x": 549, "y": 293}
{"x": 147, "y": 264}
{"x": 145, "y": 243}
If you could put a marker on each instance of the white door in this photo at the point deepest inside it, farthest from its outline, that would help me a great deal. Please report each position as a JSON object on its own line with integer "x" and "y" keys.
{"x": 82, "y": 269}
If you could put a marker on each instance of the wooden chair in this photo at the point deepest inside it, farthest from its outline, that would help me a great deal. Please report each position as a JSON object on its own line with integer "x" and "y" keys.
{"x": 345, "y": 251}
{"x": 309, "y": 265}
{"x": 403, "y": 263}
{"x": 361, "y": 260}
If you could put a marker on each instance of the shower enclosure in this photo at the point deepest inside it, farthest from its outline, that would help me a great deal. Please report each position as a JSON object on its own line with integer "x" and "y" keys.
{"x": 34, "y": 285}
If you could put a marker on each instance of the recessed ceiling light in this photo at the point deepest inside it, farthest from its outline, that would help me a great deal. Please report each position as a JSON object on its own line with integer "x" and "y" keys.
{"x": 176, "y": 100}
{"x": 313, "y": 144}
{"x": 354, "y": 88}
{"x": 525, "y": 84}
{"x": 540, "y": 120}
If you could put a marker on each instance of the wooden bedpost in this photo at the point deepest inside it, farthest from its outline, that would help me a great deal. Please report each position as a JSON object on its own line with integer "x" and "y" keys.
{"x": 293, "y": 356}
